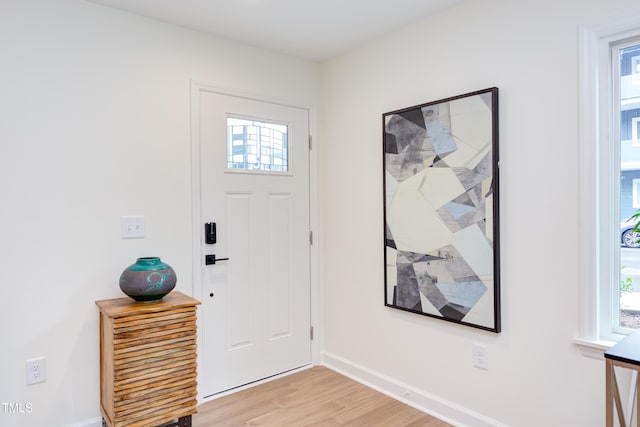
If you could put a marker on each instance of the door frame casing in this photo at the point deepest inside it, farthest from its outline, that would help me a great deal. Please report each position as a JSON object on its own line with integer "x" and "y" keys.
{"x": 196, "y": 208}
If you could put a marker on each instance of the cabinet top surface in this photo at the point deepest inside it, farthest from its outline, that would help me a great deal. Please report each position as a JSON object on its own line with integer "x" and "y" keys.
{"x": 626, "y": 350}
{"x": 119, "y": 307}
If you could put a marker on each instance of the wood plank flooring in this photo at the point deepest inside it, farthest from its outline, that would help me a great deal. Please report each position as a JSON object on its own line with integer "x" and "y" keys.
{"x": 316, "y": 397}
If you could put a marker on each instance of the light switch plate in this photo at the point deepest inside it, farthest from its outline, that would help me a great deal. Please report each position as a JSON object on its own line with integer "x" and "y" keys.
{"x": 132, "y": 227}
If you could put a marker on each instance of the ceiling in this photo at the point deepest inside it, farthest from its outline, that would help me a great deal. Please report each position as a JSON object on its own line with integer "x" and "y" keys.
{"x": 315, "y": 30}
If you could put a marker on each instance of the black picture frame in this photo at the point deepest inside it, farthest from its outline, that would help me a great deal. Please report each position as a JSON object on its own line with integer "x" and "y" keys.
{"x": 441, "y": 209}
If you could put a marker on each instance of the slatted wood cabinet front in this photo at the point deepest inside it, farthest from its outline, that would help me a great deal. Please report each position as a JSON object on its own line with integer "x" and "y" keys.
{"x": 148, "y": 356}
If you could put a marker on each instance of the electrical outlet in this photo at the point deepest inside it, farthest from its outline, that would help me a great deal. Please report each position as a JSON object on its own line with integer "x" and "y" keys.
{"x": 480, "y": 357}
{"x": 36, "y": 371}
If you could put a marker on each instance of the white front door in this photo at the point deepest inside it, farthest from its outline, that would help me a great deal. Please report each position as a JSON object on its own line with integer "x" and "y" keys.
{"x": 254, "y": 182}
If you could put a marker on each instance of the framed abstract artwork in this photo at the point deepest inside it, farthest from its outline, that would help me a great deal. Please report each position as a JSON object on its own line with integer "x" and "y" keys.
{"x": 441, "y": 219}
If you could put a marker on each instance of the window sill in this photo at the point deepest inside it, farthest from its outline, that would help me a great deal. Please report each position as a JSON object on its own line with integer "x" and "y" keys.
{"x": 593, "y": 348}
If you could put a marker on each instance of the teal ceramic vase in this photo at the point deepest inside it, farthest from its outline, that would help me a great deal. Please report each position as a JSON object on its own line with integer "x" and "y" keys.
{"x": 148, "y": 280}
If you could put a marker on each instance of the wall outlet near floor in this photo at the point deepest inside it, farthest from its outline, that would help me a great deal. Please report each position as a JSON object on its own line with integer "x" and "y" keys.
{"x": 36, "y": 370}
{"x": 480, "y": 357}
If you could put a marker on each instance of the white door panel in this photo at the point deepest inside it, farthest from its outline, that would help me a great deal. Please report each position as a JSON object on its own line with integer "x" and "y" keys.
{"x": 255, "y": 306}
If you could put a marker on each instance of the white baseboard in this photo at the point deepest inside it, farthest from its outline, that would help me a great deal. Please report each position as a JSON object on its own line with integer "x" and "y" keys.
{"x": 445, "y": 410}
{"x": 93, "y": 422}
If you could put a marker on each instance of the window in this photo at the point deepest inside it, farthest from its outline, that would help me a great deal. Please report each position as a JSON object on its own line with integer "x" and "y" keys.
{"x": 254, "y": 144}
{"x": 609, "y": 181}
{"x": 626, "y": 112}
{"x": 635, "y": 192}
{"x": 635, "y": 69}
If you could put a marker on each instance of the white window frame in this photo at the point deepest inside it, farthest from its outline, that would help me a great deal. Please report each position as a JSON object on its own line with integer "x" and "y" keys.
{"x": 599, "y": 156}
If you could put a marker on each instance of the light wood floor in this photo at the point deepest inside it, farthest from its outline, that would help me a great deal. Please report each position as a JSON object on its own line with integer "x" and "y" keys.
{"x": 316, "y": 397}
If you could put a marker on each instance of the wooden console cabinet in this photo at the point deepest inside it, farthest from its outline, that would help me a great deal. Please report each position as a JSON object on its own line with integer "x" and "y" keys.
{"x": 148, "y": 361}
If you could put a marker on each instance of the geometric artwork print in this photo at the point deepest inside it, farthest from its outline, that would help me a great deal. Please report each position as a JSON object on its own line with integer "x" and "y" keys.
{"x": 441, "y": 209}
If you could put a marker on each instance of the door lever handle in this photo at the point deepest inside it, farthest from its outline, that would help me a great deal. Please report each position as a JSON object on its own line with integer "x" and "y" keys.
{"x": 211, "y": 259}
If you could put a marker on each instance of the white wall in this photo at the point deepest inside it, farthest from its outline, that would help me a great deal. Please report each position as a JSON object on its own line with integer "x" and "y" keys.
{"x": 537, "y": 377}
{"x": 94, "y": 124}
